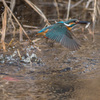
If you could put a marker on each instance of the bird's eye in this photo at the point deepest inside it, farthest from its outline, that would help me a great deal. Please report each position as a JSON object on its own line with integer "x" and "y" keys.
{"x": 77, "y": 21}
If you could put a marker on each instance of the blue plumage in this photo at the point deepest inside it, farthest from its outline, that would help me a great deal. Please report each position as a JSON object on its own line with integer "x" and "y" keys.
{"x": 60, "y": 33}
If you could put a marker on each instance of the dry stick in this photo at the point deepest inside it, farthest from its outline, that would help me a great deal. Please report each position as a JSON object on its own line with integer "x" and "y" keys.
{"x": 14, "y": 30}
{"x": 19, "y": 54}
{"x": 27, "y": 26}
{"x": 10, "y": 42}
{"x": 76, "y": 4}
{"x": 6, "y": 1}
{"x": 3, "y": 32}
{"x": 12, "y": 5}
{"x": 15, "y": 19}
{"x": 36, "y": 40}
{"x": 98, "y": 9}
{"x": 13, "y": 26}
{"x": 88, "y": 3}
{"x": 21, "y": 34}
{"x": 15, "y": 43}
{"x": 38, "y": 11}
{"x": 57, "y": 8}
{"x": 94, "y": 17}
{"x": 68, "y": 10}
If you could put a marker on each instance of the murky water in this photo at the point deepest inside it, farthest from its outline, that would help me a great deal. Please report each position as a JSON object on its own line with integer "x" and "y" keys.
{"x": 51, "y": 86}
{"x": 54, "y": 73}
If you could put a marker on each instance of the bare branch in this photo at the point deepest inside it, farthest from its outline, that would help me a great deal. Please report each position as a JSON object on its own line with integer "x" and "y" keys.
{"x": 56, "y": 4}
{"x": 68, "y": 10}
{"x": 15, "y": 18}
{"x": 3, "y": 32}
{"x": 37, "y": 10}
{"x": 75, "y": 5}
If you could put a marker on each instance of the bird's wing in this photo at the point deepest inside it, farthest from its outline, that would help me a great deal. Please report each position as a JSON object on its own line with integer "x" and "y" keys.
{"x": 44, "y": 29}
{"x": 61, "y": 34}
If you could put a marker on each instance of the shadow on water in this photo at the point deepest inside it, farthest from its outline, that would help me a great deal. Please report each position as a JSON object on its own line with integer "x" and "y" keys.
{"x": 69, "y": 86}
{"x": 60, "y": 85}
{"x": 44, "y": 86}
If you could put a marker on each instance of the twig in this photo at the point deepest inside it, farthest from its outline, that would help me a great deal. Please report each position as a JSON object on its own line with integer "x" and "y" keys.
{"x": 10, "y": 42}
{"x": 19, "y": 54}
{"x": 94, "y": 17}
{"x": 27, "y": 26}
{"x": 68, "y": 10}
{"x": 10, "y": 21}
{"x": 36, "y": 40}
{"x": 98, "y": 9}
{"x": 78, "y": 3}
{"x": 12, "y": 5}
{"x": 38, "y": 11}
{"x": 12, "y": 25}
{"x": 88, "y": 3}
{"x": 6, "y": 1}
{"x": 21, "y": 34}
{"x": 3, "y": 32}
{"x": 56, "y": 4}
{"x": 15, "y": 19}
{"x": 37, "y": 48}
{"x": 15, "y": 43}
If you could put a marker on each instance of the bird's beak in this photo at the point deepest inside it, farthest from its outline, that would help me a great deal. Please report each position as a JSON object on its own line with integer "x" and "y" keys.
{"x": 82, "y": 22}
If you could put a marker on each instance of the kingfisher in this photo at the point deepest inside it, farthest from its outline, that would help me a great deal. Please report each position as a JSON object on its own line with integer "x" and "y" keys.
{"x": 60, "y": 32}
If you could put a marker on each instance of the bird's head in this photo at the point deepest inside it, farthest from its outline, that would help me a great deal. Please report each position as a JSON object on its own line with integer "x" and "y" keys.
{"x": 72, "y": 22}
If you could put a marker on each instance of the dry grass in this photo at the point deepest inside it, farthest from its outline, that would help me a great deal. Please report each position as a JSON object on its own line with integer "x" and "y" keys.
{"x": 9, "y": 19}
{"x": 37, "y": 10}
{"x": 4, "y": 24}
{"x": 68, "y": 10}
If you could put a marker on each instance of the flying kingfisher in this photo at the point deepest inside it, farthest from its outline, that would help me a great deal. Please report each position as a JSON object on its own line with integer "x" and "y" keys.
{"x": 60, "y": 32}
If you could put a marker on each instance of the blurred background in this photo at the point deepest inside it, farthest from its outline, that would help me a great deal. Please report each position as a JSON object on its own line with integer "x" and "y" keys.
{"x": 30, "y": 69}
{"x": 54, "y": 10}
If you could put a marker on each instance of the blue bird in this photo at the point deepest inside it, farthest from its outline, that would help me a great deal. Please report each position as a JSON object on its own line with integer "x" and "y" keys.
{"x": 60, "y": 32}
